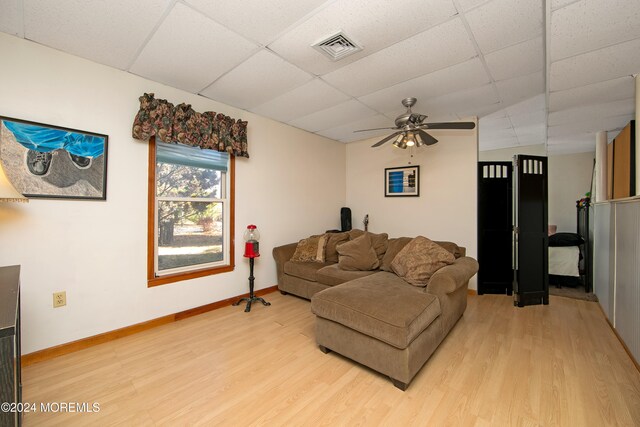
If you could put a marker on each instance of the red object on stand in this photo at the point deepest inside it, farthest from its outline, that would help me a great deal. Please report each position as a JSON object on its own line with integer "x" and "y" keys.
{"x": 251, "y": 251}
{"x": 251, "y": 242}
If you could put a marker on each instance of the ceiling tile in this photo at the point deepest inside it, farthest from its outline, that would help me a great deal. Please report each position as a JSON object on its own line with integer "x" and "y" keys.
{"x": 531, "y": 135}
{"x": 257, "y": 20}
{"x": 498, "y": 114}
{"x": 188, "y": 40}
{"x": 604, "y": 64}
{"x": 262, "y": 77}
{"x": 557, "y": 4}
{"x": 485, "y": 144}
{"x": 517, "y": 60}
{"x": 481, "y": 111}
{"x": 345, "y": 133}
{"x": 370, "y": 23}
{"x": 532, "y": 118}
{"x": 462, "y": 76}
{"x": 494, "y": 123}
{"x": 520, "y": 88}
{"x": 590, "y": 126}
{"x": 333, "y": 116}
{"x": 405, "y": 60}
{"x": 488, "y": 134}
{"x": 610, "y": 90}
{"x": 467, "y": 5}
{"x": 106, "y": 32}
{"x": 528, "y": 106}
{"x": 592, "y": 24}
{"x": 592, "y": 112}
{"x": 586, "y": 145}
{"x": 11, "y": 18}
{"x": 306, "y": 99}
{"x": 502, "y": 23}
{"x": 463, "y": 102}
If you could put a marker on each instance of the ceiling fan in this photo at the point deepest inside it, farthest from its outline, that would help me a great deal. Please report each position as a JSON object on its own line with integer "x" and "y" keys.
{"x": 410, "y": 128}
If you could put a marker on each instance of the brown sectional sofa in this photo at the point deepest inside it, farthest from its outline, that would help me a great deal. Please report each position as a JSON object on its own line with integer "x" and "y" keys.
{"x": 375, "y": 317}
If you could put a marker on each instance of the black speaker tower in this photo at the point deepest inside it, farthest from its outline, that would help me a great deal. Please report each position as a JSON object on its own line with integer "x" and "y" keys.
{"x": 345, "y": 219}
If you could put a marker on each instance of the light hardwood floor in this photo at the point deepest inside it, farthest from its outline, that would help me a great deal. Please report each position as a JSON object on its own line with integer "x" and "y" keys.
{"x": 540, "y": 365}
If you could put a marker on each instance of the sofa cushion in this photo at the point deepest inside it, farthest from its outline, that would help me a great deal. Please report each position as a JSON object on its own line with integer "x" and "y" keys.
{"x": 311, "y": 249}
{"x": 396, "y": 245}
{"x": 334, "y": 239}
{"x": 382, "y": 306}
{"x": 333, "y": 275}
{"x": 357, "y": 254}
{"x": 455, "y": 250}
{"x": 378, "y": 241}
{"x": 419, "y": 259}
{"x": 304, "y": 270}
{"x": 355, "y": 233}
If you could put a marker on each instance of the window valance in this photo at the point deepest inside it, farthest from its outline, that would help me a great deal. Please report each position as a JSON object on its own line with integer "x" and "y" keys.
{"x": 181, "y": 124}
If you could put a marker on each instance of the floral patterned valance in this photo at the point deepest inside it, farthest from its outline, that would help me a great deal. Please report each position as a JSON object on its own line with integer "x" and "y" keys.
{"x": 182, "y": 124}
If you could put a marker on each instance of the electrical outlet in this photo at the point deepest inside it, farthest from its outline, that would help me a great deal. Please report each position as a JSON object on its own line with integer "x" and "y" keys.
{"x": 59, "y": 299}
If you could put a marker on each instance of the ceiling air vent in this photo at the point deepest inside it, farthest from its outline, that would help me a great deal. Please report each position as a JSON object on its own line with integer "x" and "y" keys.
{"x": 337, "y": 46}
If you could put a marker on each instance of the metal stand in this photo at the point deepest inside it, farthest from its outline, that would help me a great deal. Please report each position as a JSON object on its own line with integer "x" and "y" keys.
{"x": 252, "y": 298}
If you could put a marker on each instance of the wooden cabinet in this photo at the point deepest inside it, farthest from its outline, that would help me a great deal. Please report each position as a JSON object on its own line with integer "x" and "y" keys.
{"x": 621, "y": 164}
{"x": 10, "y": 372}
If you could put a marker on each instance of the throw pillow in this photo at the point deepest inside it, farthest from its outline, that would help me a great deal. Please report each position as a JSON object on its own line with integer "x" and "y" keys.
{"x": 451, "y": 247}
{"x": 566, "y": 239}
{"x": 311, "y": 249}
{"x": 394, "y": 246}
{"x": 354, "y": 233}
{"x": 380, "y": 242}
{"x": 419, "y": 259}
{"x": 334, "y": 239}
{"x": 357, "y": 255}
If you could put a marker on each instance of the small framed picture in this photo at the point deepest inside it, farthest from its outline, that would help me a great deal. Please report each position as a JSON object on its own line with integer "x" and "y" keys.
{"x": 47, "y": 161}
{"x": 402, "y": 181}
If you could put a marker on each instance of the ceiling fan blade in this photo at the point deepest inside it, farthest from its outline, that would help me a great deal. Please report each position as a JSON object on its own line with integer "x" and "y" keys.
{"x": 365, "y": 130}
{"x": 449, "y": 125}
{"x": 426, "y": 138}
{"x": 390, "y": 137}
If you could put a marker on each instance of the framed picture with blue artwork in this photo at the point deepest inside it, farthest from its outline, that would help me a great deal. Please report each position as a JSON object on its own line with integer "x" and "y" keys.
{"x": 47, "y": 161}
{"x": 402, "y": 181}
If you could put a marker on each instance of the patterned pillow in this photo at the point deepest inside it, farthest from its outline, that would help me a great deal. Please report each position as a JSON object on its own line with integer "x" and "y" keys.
{"x": 419, "y": 259}
{"x": 311, "y": 249}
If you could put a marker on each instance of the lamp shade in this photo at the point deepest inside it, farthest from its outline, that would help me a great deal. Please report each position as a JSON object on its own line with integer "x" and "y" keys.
{"x": 7, "y": 191}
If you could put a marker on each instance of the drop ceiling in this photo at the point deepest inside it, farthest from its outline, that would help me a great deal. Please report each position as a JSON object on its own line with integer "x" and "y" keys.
{"x": 534, "y": 72}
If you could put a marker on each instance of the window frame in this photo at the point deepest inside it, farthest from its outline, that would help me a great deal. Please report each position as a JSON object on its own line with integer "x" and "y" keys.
{"x": 152, "y": 279}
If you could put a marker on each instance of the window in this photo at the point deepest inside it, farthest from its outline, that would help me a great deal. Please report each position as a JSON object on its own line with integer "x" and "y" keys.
{"x": 190, "y": 212}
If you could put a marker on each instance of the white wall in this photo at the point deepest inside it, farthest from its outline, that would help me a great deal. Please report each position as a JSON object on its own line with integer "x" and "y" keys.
{"x": 293, "y": 185}
{"x": 569, "y": 180}
{"x": 447, "y": 206}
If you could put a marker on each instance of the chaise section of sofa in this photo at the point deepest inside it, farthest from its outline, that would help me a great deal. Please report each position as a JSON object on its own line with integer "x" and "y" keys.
{"x": 376, "y": 317}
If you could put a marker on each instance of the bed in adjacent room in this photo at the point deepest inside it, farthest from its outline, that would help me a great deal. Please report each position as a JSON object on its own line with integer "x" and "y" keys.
{"x": 570, "y": 253}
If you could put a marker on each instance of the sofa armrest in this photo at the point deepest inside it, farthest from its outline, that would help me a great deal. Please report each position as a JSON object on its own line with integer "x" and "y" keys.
{"x": 283, "y": 254}
{"x": 452, "y": 277}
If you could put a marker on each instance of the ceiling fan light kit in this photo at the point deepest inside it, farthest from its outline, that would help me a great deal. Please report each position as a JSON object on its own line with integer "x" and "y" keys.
{"x": 410, "y": 128}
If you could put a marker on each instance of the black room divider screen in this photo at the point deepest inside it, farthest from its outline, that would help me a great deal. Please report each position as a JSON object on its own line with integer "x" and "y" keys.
{"x": 513, "y": 229}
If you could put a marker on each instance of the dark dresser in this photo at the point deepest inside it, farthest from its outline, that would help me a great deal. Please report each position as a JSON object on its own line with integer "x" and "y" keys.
{"x": 10, "y": 375}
